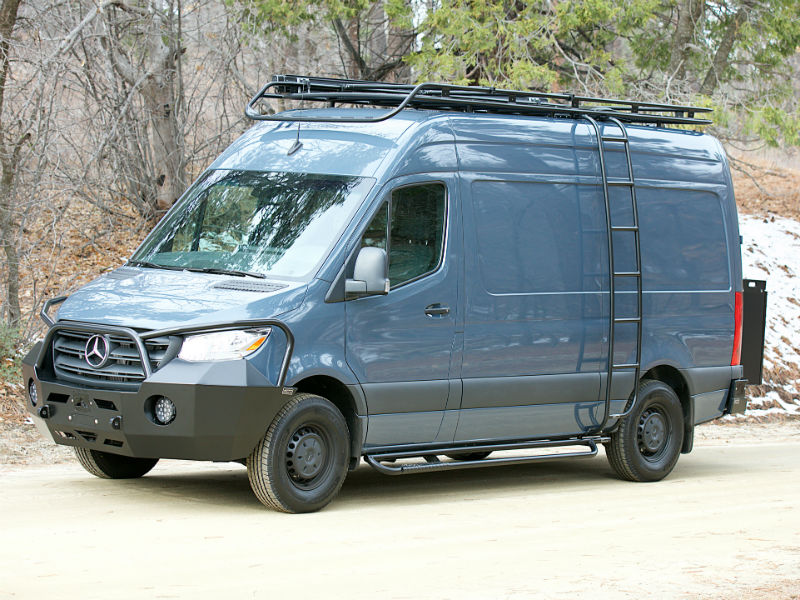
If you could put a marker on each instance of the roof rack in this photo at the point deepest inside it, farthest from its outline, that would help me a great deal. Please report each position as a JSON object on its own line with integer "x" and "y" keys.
{"x": 441, "y": 96}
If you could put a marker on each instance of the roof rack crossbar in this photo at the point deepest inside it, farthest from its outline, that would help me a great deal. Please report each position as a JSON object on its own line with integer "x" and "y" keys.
{"x": 441, "y": 96}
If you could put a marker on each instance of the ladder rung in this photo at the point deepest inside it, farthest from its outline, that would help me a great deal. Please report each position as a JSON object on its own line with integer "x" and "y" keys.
{"x": 625, "y": 366}
{"x": 627, "y": 274}
{"x": 625, "y": 228}
{"x": 628, "y": 320}
{"x": 627, "y": 183}
{"x": 612, "y": 138}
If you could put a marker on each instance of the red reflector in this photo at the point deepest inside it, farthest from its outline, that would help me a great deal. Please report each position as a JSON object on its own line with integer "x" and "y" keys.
{"x": 736, "y": 357}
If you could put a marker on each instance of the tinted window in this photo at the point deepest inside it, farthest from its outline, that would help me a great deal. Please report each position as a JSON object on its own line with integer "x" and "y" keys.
{"x": 536, "y": 237}
{"x": 684, "y": 246}
{"x": 415, "y": 218}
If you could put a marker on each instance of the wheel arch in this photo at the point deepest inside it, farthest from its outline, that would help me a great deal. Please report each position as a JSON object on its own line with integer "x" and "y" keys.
{"x": 346, "y": 399}
{"x": 674, "y": 378}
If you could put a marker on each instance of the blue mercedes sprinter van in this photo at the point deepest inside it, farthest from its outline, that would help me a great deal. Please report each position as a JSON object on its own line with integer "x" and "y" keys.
{"x": 421, "y": 278}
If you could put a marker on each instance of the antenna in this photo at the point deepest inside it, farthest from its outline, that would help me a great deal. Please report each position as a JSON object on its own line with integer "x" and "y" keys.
{"x": 297, "y": 143}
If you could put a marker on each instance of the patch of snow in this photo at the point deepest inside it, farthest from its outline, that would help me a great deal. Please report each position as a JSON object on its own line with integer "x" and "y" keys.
{"x": 771, "y": 251}
{"x": 756, "y": 412}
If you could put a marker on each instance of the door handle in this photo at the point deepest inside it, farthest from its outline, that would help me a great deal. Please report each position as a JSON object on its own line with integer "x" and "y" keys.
{"x": 437, "y": 310}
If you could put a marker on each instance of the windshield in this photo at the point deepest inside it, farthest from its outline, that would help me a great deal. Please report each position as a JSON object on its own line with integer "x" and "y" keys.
{"x": 255, "y": 223}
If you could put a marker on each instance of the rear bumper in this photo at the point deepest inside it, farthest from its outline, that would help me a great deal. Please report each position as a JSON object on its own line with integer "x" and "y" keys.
{"x": 223, "y": 410}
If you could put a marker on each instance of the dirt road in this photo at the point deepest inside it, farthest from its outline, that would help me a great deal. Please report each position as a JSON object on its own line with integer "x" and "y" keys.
{"x": 725, "y": 524}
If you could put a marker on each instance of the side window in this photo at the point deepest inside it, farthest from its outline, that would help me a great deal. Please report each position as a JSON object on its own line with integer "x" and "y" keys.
{"x": 375, "y": 235}
{"x": 414, "y": 217}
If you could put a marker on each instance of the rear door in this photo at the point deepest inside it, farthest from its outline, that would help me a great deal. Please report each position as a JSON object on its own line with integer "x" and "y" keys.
{"x": 400, "y": 346}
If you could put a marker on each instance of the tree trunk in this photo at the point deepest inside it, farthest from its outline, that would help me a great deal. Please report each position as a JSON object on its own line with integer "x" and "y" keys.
{"x": 9, "y": 158}
{"x": 157, "y": 66}
{"x": 723, "y": 53}
{"x": 689, "y": 13}
{"x": 8, "y": 227}
{"x": 355, "y": 66}
{"x": 165, "y": 137}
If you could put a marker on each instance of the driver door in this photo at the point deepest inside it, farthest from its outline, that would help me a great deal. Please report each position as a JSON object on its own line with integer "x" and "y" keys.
{"x": 400, "y": 345}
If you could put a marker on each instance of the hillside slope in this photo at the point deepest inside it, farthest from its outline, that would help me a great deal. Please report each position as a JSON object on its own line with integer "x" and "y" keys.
{"x": 771, "y": 251}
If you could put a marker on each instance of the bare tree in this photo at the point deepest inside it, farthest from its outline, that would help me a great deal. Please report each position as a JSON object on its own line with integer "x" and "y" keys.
{"x": 142, "y": 43}
{"x": 373, "y": 44}
{"x": 11, "y": 141}
{"x": 29, "y": 68}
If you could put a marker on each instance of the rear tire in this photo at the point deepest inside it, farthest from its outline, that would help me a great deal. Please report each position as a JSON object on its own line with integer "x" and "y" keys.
{"x": 301, "y": 462}
{"x": 469, "y": 456}
{"x": 113, "y": 466}
{"x": 647, "y": 443}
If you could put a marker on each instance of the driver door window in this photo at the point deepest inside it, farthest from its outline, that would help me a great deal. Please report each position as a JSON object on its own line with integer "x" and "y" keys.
{"x": 410, "y": 227}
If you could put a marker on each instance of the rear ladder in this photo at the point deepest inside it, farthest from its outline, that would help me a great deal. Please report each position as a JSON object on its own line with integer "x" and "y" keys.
{"x": 614, "y": 274}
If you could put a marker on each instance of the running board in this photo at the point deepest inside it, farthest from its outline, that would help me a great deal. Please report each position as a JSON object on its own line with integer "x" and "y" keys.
{"x": 434, "y": 464}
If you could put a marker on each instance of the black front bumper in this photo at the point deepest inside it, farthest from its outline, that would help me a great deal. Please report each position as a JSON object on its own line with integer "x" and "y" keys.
{"x": 223, "y": 410}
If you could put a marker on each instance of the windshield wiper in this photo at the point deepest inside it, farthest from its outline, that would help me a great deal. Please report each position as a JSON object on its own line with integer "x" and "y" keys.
{"x": 151, "y": 265}
{"x": 214, "y": 270}
{"x": 234, "y": 272}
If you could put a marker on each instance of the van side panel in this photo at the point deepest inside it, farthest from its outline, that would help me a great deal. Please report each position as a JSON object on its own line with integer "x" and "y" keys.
{"x": 532, "y": 202}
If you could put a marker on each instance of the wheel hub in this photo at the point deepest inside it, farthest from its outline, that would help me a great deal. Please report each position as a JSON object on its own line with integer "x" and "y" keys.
{"x": 652, "y": 432}
{"x": 306, "y": 455}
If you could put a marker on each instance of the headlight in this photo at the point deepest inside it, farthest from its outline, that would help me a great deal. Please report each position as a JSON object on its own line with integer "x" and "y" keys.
{"x": 223, "y": 345}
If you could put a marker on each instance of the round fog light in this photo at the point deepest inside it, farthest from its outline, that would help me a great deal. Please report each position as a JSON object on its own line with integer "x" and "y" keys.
{"x": 164, "y": 411}
{"x": 33, "y": 393}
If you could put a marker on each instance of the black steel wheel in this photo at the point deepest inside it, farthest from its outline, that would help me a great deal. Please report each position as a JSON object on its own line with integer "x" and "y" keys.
{"x": 113, "y": 466}
{"x": 301, "y": 462}
{"x": 647, "y": 443}
{"x": 469, "y": 456}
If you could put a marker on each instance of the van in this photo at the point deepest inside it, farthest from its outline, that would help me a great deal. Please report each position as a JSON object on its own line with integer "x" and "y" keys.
{"x": 427, "y": 278}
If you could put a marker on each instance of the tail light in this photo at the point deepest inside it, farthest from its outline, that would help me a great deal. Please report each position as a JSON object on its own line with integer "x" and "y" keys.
{"x": 736, "y": 357}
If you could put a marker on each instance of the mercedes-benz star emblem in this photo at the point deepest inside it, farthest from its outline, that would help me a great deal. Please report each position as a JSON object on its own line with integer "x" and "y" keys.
{"x": 97, "y": 351}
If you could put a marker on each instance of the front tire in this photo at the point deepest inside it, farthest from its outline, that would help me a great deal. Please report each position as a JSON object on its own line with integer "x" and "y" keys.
{"x": 113, "y": 466}
{"x": 647, "y": 443}
{"x": 301, "y": 462}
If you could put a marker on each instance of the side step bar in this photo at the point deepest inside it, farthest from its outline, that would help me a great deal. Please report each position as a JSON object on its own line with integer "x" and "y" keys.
{"x": 434, "y": 464}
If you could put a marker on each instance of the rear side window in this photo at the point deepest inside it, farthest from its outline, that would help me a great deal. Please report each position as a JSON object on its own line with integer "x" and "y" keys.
{"x": 684, "y": 246}
{"x": 538, "y": 237}
{"x": 410, "y": 227}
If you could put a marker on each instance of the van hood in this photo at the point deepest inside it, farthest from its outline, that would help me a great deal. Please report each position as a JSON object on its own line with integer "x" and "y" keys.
{"x": 150, "y": 299}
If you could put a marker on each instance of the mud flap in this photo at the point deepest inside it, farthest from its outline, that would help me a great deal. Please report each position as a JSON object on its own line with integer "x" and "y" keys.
{"x": 737, "y": 401}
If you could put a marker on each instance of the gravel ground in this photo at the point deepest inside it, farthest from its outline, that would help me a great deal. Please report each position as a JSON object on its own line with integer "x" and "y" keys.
{"x": 722, "y": 525}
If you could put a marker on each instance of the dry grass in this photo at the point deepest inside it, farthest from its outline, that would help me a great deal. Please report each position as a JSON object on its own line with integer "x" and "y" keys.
{"x": 767, "y": 185}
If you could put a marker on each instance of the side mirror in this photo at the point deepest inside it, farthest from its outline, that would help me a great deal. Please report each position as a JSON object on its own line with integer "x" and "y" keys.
{"x": 370, "y": 275}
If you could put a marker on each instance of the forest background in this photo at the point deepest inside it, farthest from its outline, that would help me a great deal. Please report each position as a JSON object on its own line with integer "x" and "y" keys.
{"x": 110, "y": 108}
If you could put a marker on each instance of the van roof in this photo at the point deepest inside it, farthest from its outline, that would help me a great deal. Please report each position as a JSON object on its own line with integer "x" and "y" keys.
{"x": 360, "y": 149}
{"x": 328, "y": 147}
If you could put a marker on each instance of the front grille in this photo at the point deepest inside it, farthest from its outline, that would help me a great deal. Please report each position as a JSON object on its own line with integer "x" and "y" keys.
{"x": 124, "y": 365}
